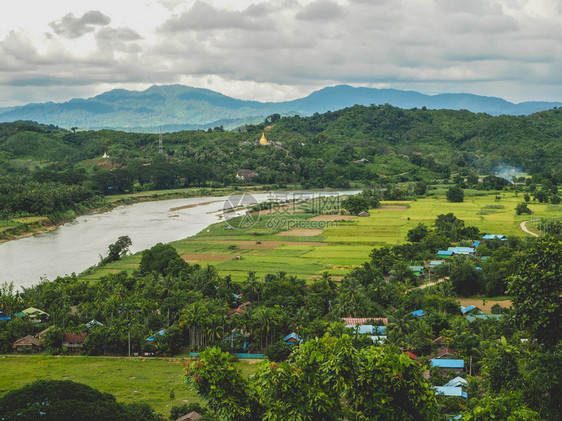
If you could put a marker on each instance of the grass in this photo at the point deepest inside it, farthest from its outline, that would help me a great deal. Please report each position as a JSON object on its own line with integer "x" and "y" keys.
{"x": 341, "y": 245}
{"x": 147, "y": 380}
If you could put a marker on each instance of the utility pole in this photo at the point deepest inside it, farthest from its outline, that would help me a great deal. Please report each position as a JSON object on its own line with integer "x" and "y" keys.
{"x": 129, "y": 341}
{"x": 160, "y": 142}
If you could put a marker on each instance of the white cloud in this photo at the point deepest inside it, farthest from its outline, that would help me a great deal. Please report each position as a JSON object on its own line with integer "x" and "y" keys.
{"x": 283, "y": 49}
{"x": 72, "y": 27}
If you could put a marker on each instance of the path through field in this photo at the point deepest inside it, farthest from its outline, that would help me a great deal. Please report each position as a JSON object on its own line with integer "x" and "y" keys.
{"x": 523, "y": 226}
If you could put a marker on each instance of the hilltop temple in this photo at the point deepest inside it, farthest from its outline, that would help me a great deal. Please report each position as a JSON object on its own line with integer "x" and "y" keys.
{"x": 263, "y": 140}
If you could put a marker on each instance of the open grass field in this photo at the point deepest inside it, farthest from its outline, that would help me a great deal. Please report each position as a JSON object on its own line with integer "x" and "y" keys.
{"x": 132, "y": 379}
{"x": 301, "y": 243}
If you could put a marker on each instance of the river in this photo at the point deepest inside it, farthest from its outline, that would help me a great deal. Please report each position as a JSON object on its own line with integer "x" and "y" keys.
{"x": 77, "y": 245}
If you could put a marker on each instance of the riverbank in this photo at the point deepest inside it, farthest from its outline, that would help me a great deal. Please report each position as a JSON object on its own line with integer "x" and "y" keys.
{"x": 22, "y": 227}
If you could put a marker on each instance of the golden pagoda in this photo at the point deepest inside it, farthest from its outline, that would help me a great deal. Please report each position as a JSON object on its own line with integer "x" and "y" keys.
{"x": 263, "y": 140}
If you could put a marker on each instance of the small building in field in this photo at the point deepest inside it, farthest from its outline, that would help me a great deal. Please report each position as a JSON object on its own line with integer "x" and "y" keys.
{"x": 74, "y": 341}
{"x": 27, "y": 344}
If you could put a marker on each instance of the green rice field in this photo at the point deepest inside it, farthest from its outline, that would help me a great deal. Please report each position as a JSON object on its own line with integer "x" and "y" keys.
{"x": 334, "y": 246}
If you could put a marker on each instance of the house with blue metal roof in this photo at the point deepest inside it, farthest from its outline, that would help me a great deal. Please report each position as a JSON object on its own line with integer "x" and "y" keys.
{"x": 418, "y": 270}
{"x": 444, "y": 253}
{"x": 450, "y": 391}
{"x": 418, "y": 313}
{"x": 494, "y": 237}
{"x": 469, "y": 309}
{"x": 462, "y": 250}
{"x": 448, "y": 365}
{"x": 292, "y": 339}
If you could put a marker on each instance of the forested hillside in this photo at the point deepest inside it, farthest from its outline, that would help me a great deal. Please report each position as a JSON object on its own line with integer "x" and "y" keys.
{"x": 355, "y": 144}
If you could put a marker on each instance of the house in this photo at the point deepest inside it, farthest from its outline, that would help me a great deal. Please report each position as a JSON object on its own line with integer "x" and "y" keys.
{"x": 292, "y": 339}
{"x": 27, "y": 343}
{"x": 445, "y": 353}
{"x": 462, "y": 250}
{"x": 235, "y": 311}
{"x": 435, "y": 263}
{"x": 473, "y": 317}
{"x": 494, "y": 237}
{"x": 245, "y": 175}
{"x": 450, "y": 391}
{"x": 35, "y": 315}
{"x": 74, "y": 341}
{"x": 154, "y": 338}
{"x": 353, "y": 321}
{"x": 418, "y": 313}
{"x": 376, "y": 333}
{"x": 456, "y": 382}
{"x": 94, "y": 323}
{"x": 4, "y": 316}
{"x": 361, "y": 161}
{"x": 418, "y": 270}
{"x": 446, "y": 365}
{"x": 470, "y": 309}
{"x": 192, "y": 416}
{"x": 363, "y": 214}
{"x": 444, "y": 253}
{"x": 476, "y": 244}
{"x": 411, "y": 355}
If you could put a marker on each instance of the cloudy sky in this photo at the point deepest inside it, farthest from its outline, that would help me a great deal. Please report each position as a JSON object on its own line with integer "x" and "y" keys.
{"x": 274, "y": 50}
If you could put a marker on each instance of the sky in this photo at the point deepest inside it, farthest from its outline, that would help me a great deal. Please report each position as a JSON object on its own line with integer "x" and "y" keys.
{"x": 276, "y": 50}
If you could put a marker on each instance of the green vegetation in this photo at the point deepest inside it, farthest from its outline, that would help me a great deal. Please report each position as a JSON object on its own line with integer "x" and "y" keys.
{"x": 55, "y": 400}
{"x": 326, "y": 379}
{"x": 303, "y": 267}
{"x": 132, "y": 379}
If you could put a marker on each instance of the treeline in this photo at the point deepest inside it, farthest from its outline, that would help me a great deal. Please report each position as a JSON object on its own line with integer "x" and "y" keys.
{"x": 20, "y": 196}
{"x": 368, "y": 145}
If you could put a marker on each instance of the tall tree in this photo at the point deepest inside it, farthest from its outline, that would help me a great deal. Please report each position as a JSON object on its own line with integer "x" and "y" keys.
{"x": 537, "y": 289}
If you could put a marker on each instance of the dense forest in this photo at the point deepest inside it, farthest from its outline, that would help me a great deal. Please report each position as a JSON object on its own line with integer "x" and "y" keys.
{"x": 168, "y": 306}
{"x": 357, "y": 143}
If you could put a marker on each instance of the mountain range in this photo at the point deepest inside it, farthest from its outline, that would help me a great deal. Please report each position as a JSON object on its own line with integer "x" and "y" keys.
{"x": 178, "y": 107}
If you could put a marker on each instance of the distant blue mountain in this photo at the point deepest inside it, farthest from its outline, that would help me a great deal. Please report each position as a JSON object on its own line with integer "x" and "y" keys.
{"x": 178, "y": 107}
